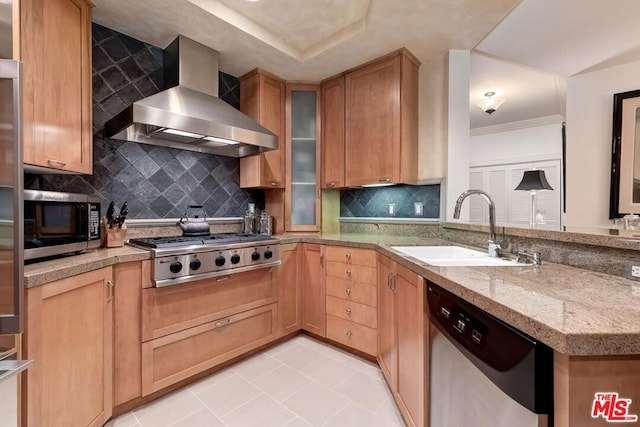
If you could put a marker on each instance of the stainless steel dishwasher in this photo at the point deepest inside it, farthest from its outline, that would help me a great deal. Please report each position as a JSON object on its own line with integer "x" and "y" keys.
{"x": 485, "y": 373}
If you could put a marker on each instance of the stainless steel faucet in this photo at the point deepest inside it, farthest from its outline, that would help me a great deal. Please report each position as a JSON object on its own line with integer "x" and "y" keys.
{"x": 494, "y": 246}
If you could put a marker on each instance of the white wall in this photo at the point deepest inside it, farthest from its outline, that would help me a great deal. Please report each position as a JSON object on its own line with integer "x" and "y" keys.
{"x": 458, "y": 131}
{"x": 589, "y": 130}
{"x": 533, "y": 143}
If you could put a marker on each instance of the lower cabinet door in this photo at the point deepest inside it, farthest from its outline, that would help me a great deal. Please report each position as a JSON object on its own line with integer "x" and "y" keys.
{"x": 172, "y": 358}
{"x": 69, "y": 336}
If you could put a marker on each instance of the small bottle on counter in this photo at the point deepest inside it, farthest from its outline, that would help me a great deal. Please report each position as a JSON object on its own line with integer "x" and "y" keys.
{"x": 265, "y": 223}
{"x": 250, "y": 219}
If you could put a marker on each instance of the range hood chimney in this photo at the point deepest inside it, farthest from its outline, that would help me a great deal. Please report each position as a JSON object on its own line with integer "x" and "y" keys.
{"x": 189, "y": 115}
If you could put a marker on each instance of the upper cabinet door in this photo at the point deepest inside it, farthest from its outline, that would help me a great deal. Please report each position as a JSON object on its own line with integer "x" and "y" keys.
{"x": 55, "y": 47}
{"x": 332, "y": 104}
{"x": 381, "y": 125}
{"x": 262, "y": 98}
{"x": 302, "y": 195}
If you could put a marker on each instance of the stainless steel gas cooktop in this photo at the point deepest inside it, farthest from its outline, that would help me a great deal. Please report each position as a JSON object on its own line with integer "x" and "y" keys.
{"x": 180, "y": 259}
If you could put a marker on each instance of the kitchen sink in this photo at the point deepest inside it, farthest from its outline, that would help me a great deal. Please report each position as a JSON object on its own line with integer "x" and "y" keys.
{"x": 454, "y": 256}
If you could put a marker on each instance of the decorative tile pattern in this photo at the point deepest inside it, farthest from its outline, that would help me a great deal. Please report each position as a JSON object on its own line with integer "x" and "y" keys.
{"x": 156, "y": 182}
{"x": 374, "y": 201}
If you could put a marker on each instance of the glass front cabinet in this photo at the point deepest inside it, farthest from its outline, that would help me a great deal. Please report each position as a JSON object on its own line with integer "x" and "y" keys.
{"x": 302, "y": 202}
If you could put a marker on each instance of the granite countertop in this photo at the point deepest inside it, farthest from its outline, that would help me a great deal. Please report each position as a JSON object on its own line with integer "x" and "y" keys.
{"x": 40, "y": 273}
{"x": 574, "y": 311}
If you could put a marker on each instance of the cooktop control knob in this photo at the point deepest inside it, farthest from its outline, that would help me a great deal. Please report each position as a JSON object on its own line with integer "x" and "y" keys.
{"x": 268, "y": 254}
{"x": 195, "y": 264}
{"x": 255, "y": 256}
{"x": 235, "y": 258}
{"x": 220, "y": 261}
{"x": 175, "y": 267}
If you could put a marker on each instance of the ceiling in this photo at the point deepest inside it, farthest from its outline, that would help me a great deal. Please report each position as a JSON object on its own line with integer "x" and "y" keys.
{"x": 523, "y": 49}
{"x": 310, "y": 42}
{"x": 549, "y": 41}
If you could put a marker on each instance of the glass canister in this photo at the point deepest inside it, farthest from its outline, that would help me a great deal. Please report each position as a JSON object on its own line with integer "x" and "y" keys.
{"x": 265, "y": 223}
{"x": 250, "y": 220}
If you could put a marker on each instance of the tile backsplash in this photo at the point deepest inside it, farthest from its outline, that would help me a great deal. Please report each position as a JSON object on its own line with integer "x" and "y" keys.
{"x": 374, "y": 201}
{"x": 157, "y": 182}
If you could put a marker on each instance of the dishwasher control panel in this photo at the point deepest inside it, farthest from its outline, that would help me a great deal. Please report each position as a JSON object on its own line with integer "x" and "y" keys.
{"x": 461, "y": 323}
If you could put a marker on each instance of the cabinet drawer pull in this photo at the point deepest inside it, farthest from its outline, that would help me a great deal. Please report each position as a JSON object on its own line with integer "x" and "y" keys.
{"x": 348, "y": 291}
{"x": 56, "y": 163}
{"x": 222, "y": 322}
{"x": 223, "y": 278}
{"x": 348, "y": 272}
{"x": 274, "y": 183}
{"x": 385, "y": 180}
{"x": 348, "y": 312}
{"x": 348, "y": 334}
{"x": 331, "y": 184}
{"x": 348, "y": 256}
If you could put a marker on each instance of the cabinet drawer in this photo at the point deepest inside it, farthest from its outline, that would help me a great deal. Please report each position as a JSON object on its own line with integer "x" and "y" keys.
{"x": 363, "y": 293}
{"x": 356, "y": 273}
{"x": 174, "y": 308}
{"x": 349, "y": 310}
{"x": 351, "y": 256}
{"x": 352, "y": 334}
{"x": 170, "y": 359}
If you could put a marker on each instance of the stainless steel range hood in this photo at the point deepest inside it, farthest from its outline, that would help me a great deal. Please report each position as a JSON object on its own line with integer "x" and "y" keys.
{"x": 189, "y": 115}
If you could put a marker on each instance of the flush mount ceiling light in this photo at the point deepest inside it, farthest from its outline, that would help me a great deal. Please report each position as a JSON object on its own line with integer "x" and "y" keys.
{"x": 490, "y": 102}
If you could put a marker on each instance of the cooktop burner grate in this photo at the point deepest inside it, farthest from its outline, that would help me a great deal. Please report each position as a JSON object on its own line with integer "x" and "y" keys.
{"x": 212, "y": 239}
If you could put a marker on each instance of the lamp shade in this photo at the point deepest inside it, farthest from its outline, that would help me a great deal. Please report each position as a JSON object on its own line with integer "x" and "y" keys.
{"x": 534, "y": 180}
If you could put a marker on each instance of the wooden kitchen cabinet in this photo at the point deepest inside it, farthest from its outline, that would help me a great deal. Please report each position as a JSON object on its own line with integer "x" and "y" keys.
{"x": 352, "y": 314}
{"x": 289, "y": 301}
{"x": 313, "y": 289}
{"x": 69, "y": 336}
{"x": 129, "y": 280}
{"x": 332, "y": 125}
{"x": 262, "y": 97}
{"x": 381, "y": 121}
{"x": 387, "y": 348}
{"x": 55, "y": 48}
{"x": 577, "y": 379}
{"x": 196, "y": 326}
{"x": 175, "y": 357}
{"x": 403, "y": 351}
{"x": 302, "y": 195}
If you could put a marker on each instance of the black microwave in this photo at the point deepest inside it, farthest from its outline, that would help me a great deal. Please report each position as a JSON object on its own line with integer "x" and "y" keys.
{"x": 59, "y": 223}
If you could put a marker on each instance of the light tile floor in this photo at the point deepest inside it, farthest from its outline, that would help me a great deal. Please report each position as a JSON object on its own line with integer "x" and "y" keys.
{"x": 301, "y": 382}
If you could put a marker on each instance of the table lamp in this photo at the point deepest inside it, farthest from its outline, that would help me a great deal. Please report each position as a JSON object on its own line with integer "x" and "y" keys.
{"x": 533, "y": 181}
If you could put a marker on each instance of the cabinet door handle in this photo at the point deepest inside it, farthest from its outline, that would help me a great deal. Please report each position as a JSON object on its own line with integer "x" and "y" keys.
{"x": 222, "y": 322}
{"x": 385, "y": 180}
{"x": 348, "y": 334}
{"x": 348, "y": 256}
{"x": 394, "y": 280}
{"x": 348, "y": 291}
{"x": 348, "y": 310}
{"x": 110, "y": 290}
{"x": 322, "y": 259}
{"x": 331, "y": 184}
{"x": 223, "y": 278}
{"x": 56, "y": 163}
{"x": 389, "y": 280}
